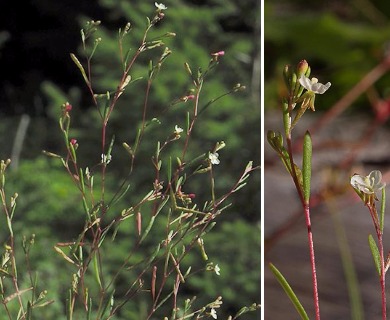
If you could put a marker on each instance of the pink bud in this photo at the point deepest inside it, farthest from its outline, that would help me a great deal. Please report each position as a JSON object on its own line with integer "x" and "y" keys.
{"x": 302, "y": 68}
{"x": 186, "y": 98}
{"x": 218, "y": 54}
{"x": 73, "y": 142}
{"x": 139, "y": 222}
{"x": 68, "y": 107}
{"x": 191, "y": 195}
{"x": 153, "y": 285}
{"x": 382, "y": 110}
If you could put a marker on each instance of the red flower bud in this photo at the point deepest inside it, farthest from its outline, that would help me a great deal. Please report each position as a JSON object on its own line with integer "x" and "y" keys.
{"x": 68, "y": 107}
{"x": 382, "y": 110}
{"x": 218, "y": 54}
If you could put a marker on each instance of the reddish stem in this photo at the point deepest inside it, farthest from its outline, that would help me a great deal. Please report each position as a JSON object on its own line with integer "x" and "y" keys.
{"x": 382, "y": 277}
{"x": 312, "y": 261}
{"x": 379, "y": 235}
{"x": 306, "y": 209}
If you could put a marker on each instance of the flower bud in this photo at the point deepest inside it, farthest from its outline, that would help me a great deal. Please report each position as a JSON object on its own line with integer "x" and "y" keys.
{"x": 68, "y": 107}
{"x": 275, "y": 140}
{"x": 287, "y": 73}
{"x": 302, "y": 68}
{"x": 218, "y": 54}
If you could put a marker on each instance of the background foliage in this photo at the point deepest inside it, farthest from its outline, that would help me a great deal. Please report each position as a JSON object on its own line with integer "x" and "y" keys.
{"x": 341, "y": 40}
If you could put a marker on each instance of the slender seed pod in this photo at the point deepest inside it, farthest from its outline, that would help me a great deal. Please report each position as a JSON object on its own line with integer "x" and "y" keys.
{"x": 306, "y": 166}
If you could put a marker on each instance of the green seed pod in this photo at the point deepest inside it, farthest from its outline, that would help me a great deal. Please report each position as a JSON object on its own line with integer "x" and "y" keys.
{"x": 306, "y": 166}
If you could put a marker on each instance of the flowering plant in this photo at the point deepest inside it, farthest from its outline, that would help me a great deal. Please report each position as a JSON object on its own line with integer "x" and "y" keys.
{"x": 370, "y": 188}
{"x": 296, "y": 80}
{"x": 158, "y": 227}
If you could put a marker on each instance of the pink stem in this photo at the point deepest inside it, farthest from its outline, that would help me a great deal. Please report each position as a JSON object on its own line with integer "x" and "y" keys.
{"x": 379, "y": 234}
{"x": 382, "y": 278}
{"x": 312, "y": 261}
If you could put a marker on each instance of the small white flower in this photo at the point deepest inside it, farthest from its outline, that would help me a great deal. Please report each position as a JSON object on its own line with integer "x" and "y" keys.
{"x": 178, "y": 130}
{"x": 217, "y": 270}
{"x": 213, "y": 313}
{"x": 214, "y": 158}
{"x": 368, "y": 184}
{"x": 105, "y": 159}
{"x": 160, "y": 6}
{"x": 313, "y": 85}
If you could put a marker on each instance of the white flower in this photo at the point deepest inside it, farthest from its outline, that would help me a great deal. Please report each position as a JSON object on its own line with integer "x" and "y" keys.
{"x": 213, "y": 313}
{"x": 178, "y": 130}
{"x": 313, "y": 85}
{"x": 160, "y": 6}
{"x": 368, "y": 184}
{"x": 214, "y": 158}
{"x": 217, "y": 270}
{"x": 105, "y": 159}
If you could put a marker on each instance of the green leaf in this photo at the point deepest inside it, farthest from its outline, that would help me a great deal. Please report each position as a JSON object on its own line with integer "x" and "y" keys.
{"x": 375, "y": 253}
{"x": 382, "y": 212}
{"x": 151, "y": 222}
{"x": 96, "y": 269}
{"x": 299, "y": 175}
{"x": 306, "y": 166}
{"x": 286, "y": 119}
{"x": 290, "y": 293}
{"x": 81, "y": 68}
{"x": 108, "y": 305}
{"x": 29, "y": 311}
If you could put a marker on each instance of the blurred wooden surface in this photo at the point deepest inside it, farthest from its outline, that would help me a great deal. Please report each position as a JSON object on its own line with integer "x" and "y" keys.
{"x": 289, "y": 250}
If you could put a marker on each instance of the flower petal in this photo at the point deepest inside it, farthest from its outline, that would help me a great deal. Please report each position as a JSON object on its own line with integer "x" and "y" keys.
{"x": 361, "y": 183}
{"x": 305, "y": 82}
{"x": 320, "y": 88}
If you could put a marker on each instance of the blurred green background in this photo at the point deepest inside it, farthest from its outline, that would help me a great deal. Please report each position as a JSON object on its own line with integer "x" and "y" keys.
{"x": 38, "y": 76}
{"x": 341, "y": 40}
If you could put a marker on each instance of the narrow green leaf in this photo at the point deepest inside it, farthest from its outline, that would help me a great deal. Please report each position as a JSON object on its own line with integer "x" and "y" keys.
{"x": 128, "y": 149}
{"x": 306, "y": 165}
{"x": 239, "y": 187}
{"x": 158, "y": 149}
{"x": 154, "y": 254}
{"x": 89, "y": 309}
{"x": 119, "y": 195}
{"x": 108, "y": 305}
{"x": 110, "y": 147}
{"x": 246, "y": 309}
{"x": 187, "y": 122}
{"x": 29, "y": 311}
{"x": 81, "y": 68}
{"x": 148, "y": 228}
{"x": 69, "y": 313}
{"x": 136, "y": 143}
{"x": 104, "y": 233}
{"x": 170, "y": 169}
{"x": 299, "y": 174}
{"x": 290, "y": 293}
{"x": 286, "y": 119}
{"x": 375, "y": 253}
{"x": 162, "y": 205}
{"x": 97, "y": 269}
{"x": 81, "y": 177}
{"x": 382, "y": 212}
